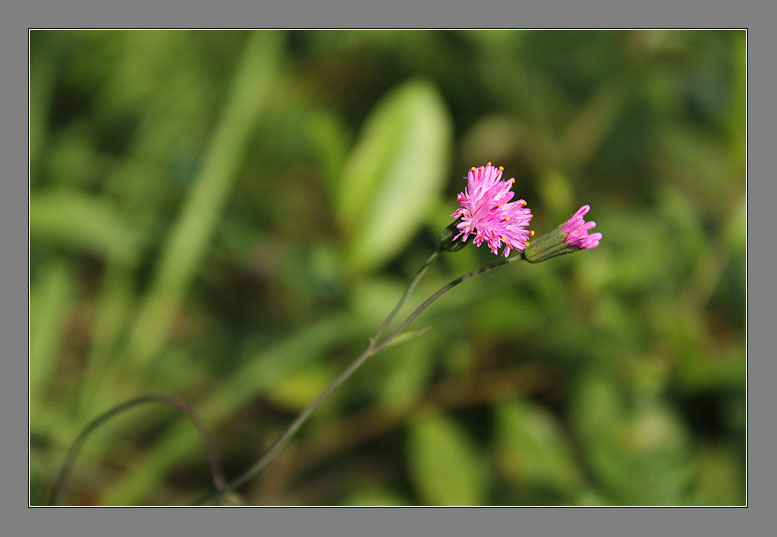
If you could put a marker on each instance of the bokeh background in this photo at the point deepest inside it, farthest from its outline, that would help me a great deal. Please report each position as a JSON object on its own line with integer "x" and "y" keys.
{"x": 226, "y": 217}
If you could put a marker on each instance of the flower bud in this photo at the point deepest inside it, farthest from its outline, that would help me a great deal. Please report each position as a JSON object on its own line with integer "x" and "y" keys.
{"x": 447, "y": 242}
{"x": 569, "y": 237}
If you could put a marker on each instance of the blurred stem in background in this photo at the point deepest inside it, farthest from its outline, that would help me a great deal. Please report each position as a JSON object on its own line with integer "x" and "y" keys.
{"x": 373, "y": 348}
{"x": 221, "y": 486}
{"x": 67, "y": 466}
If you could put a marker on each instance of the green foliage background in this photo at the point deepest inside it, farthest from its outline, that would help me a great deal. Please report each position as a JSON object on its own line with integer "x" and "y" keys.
{"x": 227, "y": 216}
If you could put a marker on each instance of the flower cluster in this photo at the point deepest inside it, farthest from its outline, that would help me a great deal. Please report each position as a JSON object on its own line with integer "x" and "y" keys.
{"x": 488, "y": 212}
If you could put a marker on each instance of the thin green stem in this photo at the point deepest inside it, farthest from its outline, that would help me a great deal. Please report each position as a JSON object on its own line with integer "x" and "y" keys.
{"x": 426, "y": 303}
{"x": 303, "y": 416}
{"x": 369, "y": 351}
{"x": 404, "y": 298}
{"x": 290, "y": 431}
{"x": 218, "y": 475}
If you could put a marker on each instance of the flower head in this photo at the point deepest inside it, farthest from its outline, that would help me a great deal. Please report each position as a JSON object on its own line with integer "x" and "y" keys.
{"x": 565, "y": 239}
{"x": 488, "y": 212}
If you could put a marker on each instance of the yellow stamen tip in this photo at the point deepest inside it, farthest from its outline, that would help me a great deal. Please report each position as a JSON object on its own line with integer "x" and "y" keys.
{"x": 512, "y": 180}
{"x": 498, "y": 205}
{"x": 501, "y": 168}
{"x": 504, "y": 238}
{"x": 531, "y": 232}
{"x": 507, "y": 219}
{"x": 489, "y": 164}
{"x": 527, "y": 244}
{"x": 523, "y": 203}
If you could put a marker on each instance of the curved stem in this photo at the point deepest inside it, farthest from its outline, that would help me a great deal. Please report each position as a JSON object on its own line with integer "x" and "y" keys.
{"x": 342, "y": 377}
{"x": 402, "y": 300}
{"x": 290, "y": 431}
{"x": 369, "y": 351}
{"x": 218, "y": 475}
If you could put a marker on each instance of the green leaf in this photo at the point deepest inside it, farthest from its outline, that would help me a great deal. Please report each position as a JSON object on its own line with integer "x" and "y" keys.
{"x": 445, "y": 464}
{"x": 84, "y": 223}
{"x": 639, "y": 452}
{"x": 394, "y": 176}
{"x": 533, "y": 449}
{"x": 407, "y": 336}
{"x": 329, "y": 140}
{"x": 50, "y": 300}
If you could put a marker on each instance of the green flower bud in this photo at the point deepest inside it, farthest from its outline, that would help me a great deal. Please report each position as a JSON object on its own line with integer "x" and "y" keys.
{"x": 549, "y": 245}
{"x": 571, "y": 236}
{"x": 447, "y": 244}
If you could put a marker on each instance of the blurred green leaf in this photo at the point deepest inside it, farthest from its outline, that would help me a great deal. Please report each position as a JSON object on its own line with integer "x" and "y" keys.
{"x": 83, "y": 223}
{"x": 395, "y": 174}
{"x": 188, "y": 238}
{"x": 641, "y": 454}
{"x": 445, "y": 464}
{"x": 533, "y": 449}
{"x": 329, "y": 139}
{"x": 50, "y": 299}
{"x": 407, "y": 336}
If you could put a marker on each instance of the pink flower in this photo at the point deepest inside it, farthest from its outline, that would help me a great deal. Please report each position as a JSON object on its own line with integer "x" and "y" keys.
{"x": 569, "y": 237}
{"x": 487, "y": 212}
{"x": 576, "y": 230}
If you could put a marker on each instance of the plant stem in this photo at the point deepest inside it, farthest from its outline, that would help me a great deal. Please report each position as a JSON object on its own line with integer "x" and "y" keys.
{"x": 369, "y": 351}
{"x": 402, "y": 300}
{"x": 484, "y": 387}
{"x": 290, "y": 431}
{"x": 218, "y": 475}
{"x": 426, "y": 303}
{"x": 303, "y": 416}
